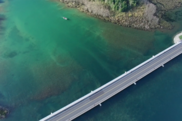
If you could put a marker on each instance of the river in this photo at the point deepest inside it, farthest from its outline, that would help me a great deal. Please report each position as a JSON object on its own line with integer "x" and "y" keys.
{"x": 47, "y": 62}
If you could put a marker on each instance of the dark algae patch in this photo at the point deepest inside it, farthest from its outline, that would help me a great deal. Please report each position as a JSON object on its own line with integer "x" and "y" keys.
{"x": 3, "y": 112}
{"x": 1, "y": 1}
{"x": 11, "y": 54}
{"x": 2, "y": 18}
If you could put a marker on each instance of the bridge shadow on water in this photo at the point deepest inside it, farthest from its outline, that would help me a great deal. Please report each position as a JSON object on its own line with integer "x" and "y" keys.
{"x": 150, "y": 93}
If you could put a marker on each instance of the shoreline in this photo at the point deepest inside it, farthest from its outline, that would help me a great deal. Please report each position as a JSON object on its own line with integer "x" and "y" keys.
{"x": 177, "y": 38}
{"x": 141, "y": 17}
{"x": 145, "y": 16}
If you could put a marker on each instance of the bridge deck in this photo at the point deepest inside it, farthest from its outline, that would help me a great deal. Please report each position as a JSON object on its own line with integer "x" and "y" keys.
{"x": 108, "y": 90}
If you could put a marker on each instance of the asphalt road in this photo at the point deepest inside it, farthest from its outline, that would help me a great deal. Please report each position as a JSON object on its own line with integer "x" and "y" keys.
{"x": 118, "y": 85}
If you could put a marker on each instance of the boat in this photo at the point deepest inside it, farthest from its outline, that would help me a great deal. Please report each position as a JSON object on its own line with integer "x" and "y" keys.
{"x": 65, "y": 18}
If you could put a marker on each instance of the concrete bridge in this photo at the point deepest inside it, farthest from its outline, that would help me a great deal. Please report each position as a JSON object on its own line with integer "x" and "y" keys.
{"x": 115, "y": 86}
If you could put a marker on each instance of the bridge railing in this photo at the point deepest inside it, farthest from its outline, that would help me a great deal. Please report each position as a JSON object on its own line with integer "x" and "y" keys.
{"x": 105, "y": 85}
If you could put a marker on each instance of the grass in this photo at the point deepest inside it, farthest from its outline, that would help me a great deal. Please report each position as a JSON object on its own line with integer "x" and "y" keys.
{"x": 180, "y": 37}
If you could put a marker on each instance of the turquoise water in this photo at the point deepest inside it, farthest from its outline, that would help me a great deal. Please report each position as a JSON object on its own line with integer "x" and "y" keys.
{"x": 47, "y": 62}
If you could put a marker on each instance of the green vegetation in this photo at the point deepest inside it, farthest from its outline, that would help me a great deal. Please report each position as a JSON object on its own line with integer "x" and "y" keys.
{"x": 121, "y": 5}
{"x": 180, "y": 37}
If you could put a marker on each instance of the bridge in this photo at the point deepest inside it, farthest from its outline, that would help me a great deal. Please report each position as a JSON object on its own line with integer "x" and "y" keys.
{"x": 98, "y": 96}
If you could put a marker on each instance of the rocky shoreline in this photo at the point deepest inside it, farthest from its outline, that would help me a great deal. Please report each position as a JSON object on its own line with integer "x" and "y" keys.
{"x": 3, "y": 112}
{"x": 140, "y": 17}
{"x": 164, "y": 8}
{"x": 147, "y": 15}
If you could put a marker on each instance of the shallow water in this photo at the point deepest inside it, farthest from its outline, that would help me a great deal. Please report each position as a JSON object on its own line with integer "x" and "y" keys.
{"x": 47, "y": 62}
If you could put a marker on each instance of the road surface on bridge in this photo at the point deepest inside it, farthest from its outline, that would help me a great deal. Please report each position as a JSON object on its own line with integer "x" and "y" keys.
{"x": 115, "y": 86}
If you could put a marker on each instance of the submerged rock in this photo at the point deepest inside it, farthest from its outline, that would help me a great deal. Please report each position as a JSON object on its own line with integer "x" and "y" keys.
{"x": 3, "y": 112}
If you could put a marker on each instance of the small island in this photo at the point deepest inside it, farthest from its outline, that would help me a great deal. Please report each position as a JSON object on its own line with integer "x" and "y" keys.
{"x": 3, "y": 112}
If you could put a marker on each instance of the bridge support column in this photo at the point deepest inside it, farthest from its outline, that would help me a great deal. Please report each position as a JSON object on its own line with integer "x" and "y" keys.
{"x": 134, "y": 83}
{"x": 100, "y": 104}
